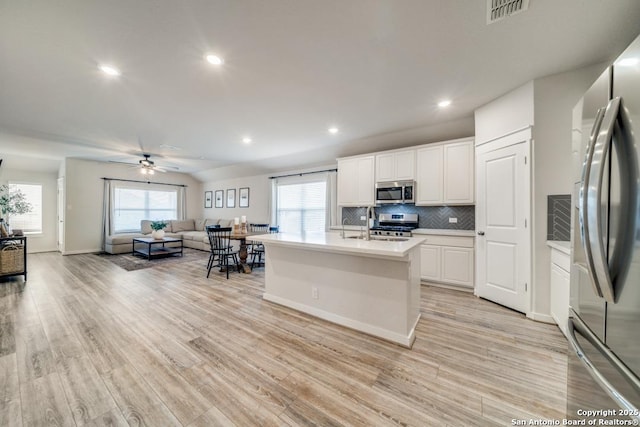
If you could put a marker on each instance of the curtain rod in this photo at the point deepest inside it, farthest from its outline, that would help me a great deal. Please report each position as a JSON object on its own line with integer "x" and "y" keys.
{"x": 143, "y": 182}
{"x": 303, "y": 173}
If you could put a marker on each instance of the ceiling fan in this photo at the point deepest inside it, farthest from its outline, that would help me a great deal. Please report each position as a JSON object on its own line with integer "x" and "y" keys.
{"x": 147, "y": 166}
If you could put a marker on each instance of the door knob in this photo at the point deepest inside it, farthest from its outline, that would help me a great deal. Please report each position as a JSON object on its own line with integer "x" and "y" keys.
{"x": 480, "y": 233}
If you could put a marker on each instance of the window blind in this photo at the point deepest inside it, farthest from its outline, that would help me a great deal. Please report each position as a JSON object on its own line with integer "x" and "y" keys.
{"x": 30, "y": 222}
{"x": 131, "y": 205}
{"x": 301, "y": 207}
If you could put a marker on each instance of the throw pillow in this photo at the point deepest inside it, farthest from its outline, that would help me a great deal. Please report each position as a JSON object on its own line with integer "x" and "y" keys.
{"x": 145, "y": 226}
{"x": 200, "y": 223}
{"x": 188, "y": 225}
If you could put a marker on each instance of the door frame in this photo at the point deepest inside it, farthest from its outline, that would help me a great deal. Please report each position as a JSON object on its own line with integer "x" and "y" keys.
{"x": 520, "y": 136}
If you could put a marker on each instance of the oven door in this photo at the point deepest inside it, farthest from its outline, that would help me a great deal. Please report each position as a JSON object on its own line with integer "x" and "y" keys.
{"x": 386, "y": 194}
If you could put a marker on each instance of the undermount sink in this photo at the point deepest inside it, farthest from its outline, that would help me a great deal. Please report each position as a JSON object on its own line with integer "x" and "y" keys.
{"x": 381, "y": 238}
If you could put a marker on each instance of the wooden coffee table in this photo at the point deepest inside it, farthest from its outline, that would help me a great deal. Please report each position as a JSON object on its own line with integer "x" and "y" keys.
{"x": 152, "y": 248}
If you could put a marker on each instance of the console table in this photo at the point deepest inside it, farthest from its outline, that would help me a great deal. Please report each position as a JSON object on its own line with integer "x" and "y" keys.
{"x": 13, "y": 256}
{"x": 152, "y": 248}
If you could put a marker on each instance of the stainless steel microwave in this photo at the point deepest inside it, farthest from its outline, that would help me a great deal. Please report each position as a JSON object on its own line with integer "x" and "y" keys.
{"x": 395, "y": 192}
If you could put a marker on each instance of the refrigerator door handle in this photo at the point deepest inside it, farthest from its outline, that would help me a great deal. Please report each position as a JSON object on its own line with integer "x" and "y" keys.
{"x": 583, "y": 203}
{"x": 575, "y": 324}
{"x": 606, "y": 271}
{"x": 601, "y": 273}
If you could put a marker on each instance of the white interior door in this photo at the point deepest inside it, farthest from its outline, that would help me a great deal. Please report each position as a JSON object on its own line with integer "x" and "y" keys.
{"x": 502, "y": 215}
{"x": 61, "y": 214}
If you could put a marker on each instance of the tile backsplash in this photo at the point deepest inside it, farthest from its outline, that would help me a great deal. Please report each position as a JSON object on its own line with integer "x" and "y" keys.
{"x": 559, "y": 217}
{"x": 436, "y": 217}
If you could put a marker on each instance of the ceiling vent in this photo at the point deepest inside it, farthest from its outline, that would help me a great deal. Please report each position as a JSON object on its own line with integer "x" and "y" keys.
{"x": 500, "y": 9}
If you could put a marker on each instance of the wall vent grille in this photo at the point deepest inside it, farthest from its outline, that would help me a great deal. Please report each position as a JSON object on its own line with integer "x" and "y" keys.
{"x": 500, "y": 9}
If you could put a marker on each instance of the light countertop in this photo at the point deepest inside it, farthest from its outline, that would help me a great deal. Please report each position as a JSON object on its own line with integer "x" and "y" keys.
{"x": 564, "y": 247}
{"x": 332, "y": 242}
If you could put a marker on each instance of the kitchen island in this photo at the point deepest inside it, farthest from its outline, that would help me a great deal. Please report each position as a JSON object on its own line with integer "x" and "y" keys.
{"x": 372, "y": 286}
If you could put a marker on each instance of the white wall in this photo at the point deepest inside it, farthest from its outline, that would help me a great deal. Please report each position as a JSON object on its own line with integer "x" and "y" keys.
{"x": 259, "y": 195}
{"x": 259, "y": 210}
{"x": 83, "y": 198}
{"x": 554, "y": 99}
{"x": 46, "y": 241}
{"x": 512, "y": 111}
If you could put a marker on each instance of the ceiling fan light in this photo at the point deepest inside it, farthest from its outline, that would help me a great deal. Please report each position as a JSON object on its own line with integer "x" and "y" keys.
{"x": 151, "y": 172}
{"x": 214, "y": 59}
{"x": 143, "y": 171}
{"x": 109, "y": 70}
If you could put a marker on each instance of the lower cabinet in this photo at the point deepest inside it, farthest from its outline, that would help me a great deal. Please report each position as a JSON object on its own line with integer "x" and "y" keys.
{"x": 448, "y": 260}
{"x": 560, "y": 285}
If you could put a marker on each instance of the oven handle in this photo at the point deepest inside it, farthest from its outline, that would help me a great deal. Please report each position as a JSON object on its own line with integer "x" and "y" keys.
{"x": 574, "y": 323}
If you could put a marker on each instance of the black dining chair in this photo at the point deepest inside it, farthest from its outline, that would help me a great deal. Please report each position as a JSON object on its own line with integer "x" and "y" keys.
{"x": 221, "y": 249}
{"x": 258, "y": 248}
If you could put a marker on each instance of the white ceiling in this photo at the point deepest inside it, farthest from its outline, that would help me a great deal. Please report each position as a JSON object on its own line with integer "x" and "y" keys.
{"x": 374, "y": 68}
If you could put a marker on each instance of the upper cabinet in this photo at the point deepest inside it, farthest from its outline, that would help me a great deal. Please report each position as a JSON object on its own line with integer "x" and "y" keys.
{"x": 356, "y": 181}
{"x": 445, "y": 173}
{"x": 396, "y": 166}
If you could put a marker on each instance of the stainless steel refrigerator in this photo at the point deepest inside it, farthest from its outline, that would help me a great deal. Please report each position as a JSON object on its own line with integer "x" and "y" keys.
{"x": 604, "y": 317}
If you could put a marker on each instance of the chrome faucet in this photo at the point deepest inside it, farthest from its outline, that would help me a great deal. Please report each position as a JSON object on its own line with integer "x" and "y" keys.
{"x": 370, "y": 210}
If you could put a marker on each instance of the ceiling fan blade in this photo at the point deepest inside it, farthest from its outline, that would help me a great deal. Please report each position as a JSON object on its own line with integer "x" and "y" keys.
{"x": 124, "y": 163}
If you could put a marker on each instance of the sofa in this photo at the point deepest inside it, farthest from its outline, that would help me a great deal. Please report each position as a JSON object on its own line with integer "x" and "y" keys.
{"x": 192, "y": 232}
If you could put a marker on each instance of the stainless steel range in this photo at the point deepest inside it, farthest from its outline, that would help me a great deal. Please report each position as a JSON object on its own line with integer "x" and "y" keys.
{"x": 398, "y": 224}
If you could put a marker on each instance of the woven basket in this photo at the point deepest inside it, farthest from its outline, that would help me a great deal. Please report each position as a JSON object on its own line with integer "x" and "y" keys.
{"x": 12, "y": 259}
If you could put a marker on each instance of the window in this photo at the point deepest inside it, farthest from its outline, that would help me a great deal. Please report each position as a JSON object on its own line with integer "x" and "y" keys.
{"x": 131, "y": 205}
{"x": 29, "y": 222}
{"x": 301, "y": 207}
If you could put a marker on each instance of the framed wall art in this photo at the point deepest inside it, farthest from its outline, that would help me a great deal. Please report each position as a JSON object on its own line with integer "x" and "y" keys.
{"x": 231, "y": 198}
{"x": 243, "y": 200}
{"x": 208, "y": 199}
{"x": 219, "y": 198}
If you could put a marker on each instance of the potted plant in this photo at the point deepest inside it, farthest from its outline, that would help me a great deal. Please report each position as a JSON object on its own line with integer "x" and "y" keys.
{"x": 13, "y": 202}
{"x": 158, "y": 229}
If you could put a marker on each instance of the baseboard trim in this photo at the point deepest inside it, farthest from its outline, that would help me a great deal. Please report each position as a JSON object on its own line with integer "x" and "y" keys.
{"x": 82, "y": 251}
{"x": 539, "y": 317}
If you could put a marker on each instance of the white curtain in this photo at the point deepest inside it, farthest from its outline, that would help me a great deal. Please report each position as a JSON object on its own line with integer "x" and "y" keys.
{"x": 107, "y": 212}
{"x": 182, "y": 203}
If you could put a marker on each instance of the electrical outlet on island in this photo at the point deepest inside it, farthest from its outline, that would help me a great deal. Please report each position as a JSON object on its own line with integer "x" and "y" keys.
{"x": 453, "y": 220}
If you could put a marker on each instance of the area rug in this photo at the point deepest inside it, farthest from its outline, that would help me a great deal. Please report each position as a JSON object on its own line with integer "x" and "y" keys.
{"x": 131, "y": 262}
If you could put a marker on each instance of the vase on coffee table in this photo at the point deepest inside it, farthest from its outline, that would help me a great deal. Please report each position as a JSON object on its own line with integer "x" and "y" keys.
{"x": 157, "y": 234}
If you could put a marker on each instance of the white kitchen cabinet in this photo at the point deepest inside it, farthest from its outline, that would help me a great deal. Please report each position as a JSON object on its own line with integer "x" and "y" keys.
{"x": 448, "y": 260}
{"x": 356, "y": 181}
{"x": 459, "y": 173}
{"x": 429, "y": 181}
{"x": 430, "y": 260}
{"x": 396, "y": 166}
{"x": 445, "y": 173}
{"x": 560, "y": 285}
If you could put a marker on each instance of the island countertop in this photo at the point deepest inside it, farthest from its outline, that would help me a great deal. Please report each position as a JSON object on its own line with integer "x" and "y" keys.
{"x": 333, "y": 242}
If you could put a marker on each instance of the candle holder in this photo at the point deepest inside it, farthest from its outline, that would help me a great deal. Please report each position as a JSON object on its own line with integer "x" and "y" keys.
{"x": 243, "y": 228}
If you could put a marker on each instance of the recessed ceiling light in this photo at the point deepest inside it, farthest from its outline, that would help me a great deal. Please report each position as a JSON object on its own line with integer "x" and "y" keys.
{"x": 333, "y": 130}
{"x": 170, "y": 147}
{"x": 444, "y": 103}
{"x": 109, "y": 70}
{"x": 246, "y": 140}
{"x": 628, "y": 62}
{"x": 214, "y": 59}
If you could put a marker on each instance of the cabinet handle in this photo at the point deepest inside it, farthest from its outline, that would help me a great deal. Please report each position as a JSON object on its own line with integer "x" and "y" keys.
{"x": 480, "y": 233}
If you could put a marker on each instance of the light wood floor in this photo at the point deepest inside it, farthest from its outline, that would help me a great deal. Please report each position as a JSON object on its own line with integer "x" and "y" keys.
{"x": 87, "y": 343}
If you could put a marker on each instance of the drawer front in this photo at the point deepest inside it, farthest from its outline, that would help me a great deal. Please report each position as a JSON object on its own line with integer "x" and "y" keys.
{"x": 455, "y": 241}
